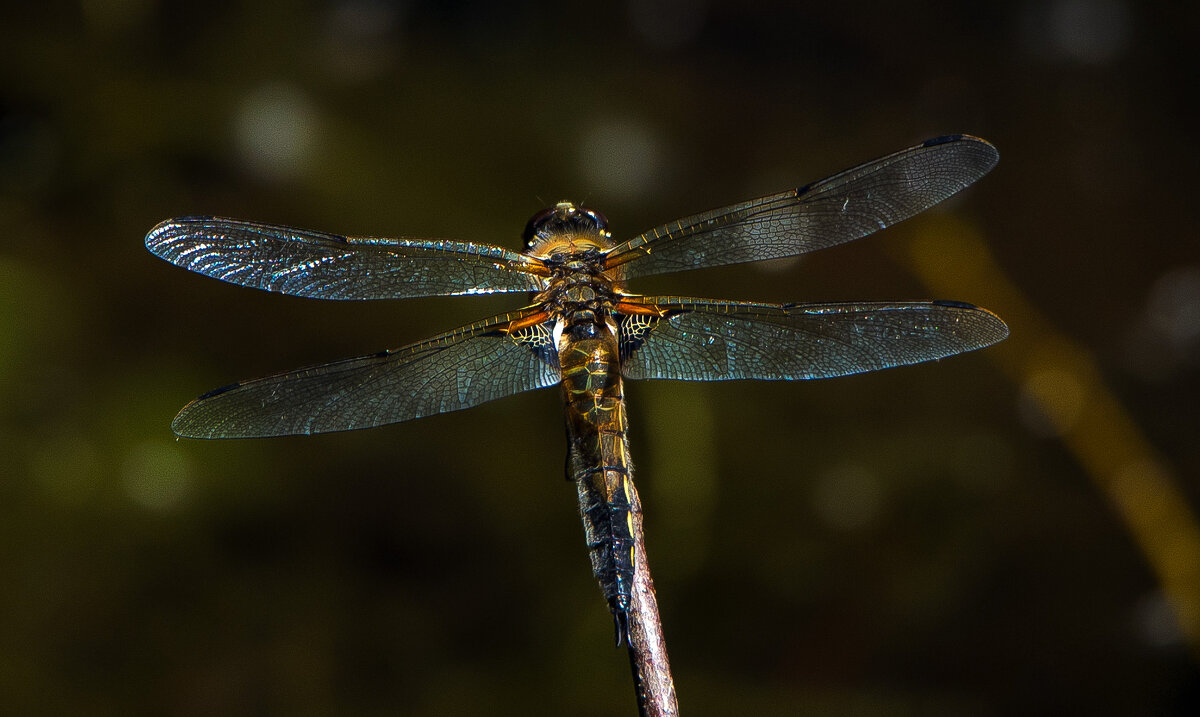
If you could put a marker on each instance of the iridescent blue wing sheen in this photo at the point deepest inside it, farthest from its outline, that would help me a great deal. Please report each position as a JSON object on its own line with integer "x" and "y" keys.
{"x": 711, "y": 340}
{"x": 328, "y": 266}
{"x": 481, "y": 362}
{"x": 841, "y": 208}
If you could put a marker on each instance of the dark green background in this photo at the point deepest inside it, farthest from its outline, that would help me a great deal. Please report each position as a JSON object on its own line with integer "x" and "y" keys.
{"x": 908, "y": 542}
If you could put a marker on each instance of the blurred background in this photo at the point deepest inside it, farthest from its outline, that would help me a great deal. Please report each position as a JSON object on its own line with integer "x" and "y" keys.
{"x": 1007, "y": 532}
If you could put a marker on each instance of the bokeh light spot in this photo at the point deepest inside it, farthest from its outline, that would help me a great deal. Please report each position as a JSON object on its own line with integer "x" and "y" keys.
{"x": 1173, "y": 305}
{"x": 621, "y": 157}
{"x": 276, "y": 130}
{"x": 1091, "y": 32}
{"x": 667, "y": 24}
{"x": 156, "y": 475}
{"x": 848, "y": 496}
{"x": 1165, "y": 337}
{"x": 361, "y": 37}
{"x": 1156, "y": 622}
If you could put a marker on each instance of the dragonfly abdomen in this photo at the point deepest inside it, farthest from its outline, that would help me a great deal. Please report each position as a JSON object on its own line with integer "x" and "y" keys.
{"x": 598, "y": 461}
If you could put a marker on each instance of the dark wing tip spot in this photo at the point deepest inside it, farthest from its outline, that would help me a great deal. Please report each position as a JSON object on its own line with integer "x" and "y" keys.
{"x": 954, "y": 304}
{"x": 979, "y": 143}
{"x": 799, "y": 191}
{"x": 952, "y": 138}
{"x": 995, "y": 322}
{"x": 217, "y": 392}
{"x": 945, "y": 139}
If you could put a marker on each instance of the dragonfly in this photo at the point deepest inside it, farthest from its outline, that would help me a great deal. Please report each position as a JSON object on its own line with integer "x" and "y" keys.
{"x": 584, "y": 330}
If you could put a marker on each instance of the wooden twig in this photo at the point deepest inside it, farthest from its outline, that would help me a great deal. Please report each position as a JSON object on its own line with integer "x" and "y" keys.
{"x": 652, "y": 680}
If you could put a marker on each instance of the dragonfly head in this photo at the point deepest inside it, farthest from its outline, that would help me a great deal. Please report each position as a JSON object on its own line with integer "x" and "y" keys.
{"x": 565, "y": 223}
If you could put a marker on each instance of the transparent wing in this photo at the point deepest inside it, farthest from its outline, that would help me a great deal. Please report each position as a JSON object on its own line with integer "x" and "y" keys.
{"x": 328, "y": 266}
{"x": 487, "y": 360}
{"x": 839, "y": 209}
{"x": 709, "y": 340}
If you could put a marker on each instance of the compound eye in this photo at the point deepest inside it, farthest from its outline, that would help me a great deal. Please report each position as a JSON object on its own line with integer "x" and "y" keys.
{"x": 600, "y": 220}
{"x": 535, "y": 223}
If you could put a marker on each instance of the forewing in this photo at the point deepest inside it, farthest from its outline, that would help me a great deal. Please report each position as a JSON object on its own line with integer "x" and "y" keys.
{"x": 839, "y": 209}
{"x": 707, "y": 340}
{"x": 460, "y": 369}
{"x": 328, "y": 266}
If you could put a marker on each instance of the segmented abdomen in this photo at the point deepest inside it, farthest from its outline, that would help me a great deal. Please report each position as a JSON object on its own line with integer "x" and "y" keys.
{"x": 598, "y": 461}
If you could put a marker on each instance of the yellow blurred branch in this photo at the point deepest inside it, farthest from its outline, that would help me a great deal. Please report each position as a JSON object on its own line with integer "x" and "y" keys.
{"x": 951, "y": 258}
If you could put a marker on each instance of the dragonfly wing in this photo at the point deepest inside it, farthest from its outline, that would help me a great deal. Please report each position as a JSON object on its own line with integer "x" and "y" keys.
{"x": 460, "y": 369}
{"x": 707, "y": 340}
{"x": 328, "y": 266}
{"x": 835, "y": 210}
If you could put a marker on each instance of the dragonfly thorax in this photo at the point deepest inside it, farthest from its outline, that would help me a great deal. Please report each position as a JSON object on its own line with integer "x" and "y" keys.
{"x": 579, "y": 293}
{"x": 572, "y": 243}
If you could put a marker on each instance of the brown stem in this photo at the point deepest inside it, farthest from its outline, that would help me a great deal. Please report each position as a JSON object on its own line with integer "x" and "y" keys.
{"x": 652, "y": 678}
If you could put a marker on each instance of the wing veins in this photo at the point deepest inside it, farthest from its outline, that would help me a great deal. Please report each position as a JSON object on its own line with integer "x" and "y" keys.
{"x": 704, "y": 339}
{"x": 380, "y": 388}
{"x": 314, "y": 264}
{"x": 846, "y": 206}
